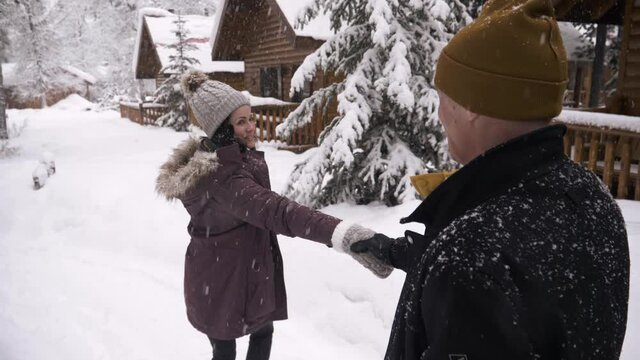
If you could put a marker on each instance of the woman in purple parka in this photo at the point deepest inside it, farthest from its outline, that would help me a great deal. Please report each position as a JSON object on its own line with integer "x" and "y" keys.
{"x": 233, "y": 283}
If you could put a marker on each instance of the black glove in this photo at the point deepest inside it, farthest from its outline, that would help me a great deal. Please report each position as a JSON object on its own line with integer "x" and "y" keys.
{"x": 379, "y": 246}
{"x": 223, "y": 136}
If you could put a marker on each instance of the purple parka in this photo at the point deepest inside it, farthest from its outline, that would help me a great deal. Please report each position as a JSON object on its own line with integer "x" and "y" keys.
{"x": 233, "y": 282}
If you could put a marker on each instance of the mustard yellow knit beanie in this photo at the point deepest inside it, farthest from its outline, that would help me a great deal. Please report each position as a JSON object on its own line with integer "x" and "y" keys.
{"x": 509, "y": 63}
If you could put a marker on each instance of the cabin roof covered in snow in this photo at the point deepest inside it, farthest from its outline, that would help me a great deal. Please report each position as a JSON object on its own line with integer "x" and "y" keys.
{"x": 80, "y": 74}
{"x": 10, "y": 77}
{"x": 161, "y": 26}
{"x": 319, "y": 28}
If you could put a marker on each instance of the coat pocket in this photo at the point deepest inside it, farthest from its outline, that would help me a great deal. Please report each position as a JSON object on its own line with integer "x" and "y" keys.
{"x": 215, "y": 289}
{"x": 261, "y": 292}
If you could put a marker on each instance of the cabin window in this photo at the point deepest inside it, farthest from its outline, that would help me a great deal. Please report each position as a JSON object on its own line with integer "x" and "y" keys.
{"x": 303, "y": 93}
{"x": 271, "y": 82}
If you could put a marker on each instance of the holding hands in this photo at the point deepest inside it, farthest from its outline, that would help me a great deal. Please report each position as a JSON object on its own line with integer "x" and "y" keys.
{"x": 379, "y": 246}
{"x": 371, "y": 249}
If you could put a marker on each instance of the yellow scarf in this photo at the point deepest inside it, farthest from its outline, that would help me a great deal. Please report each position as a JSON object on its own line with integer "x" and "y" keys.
{"x": 426, "y": 183}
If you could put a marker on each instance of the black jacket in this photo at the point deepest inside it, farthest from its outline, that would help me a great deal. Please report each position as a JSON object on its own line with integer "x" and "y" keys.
{"x": 524, "y": 256}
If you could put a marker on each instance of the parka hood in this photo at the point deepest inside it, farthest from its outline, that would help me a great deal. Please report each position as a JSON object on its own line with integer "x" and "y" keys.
{"x": 186, "y": 166}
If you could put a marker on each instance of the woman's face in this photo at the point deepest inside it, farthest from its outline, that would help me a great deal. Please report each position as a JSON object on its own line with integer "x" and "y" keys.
{"x": 244, "y": 126}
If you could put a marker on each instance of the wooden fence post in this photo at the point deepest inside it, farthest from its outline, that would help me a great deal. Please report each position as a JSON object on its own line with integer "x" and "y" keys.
{"x": 261, "y": 115}
{"x": 608, "y": 171}
{"x": 577, "y": 155}
{"x": 594, "y": 146}
{"x": 625, "y": 168}
{"x": 268, "y": 127}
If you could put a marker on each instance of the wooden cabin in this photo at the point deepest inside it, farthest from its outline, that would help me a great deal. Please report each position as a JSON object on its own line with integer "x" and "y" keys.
{"x": 65, "y": 80}
{"x": 611, "y": 12}
{"x": 607, "y": 140}
{"x": 152, "y": 51}
{"x": 261, "y": 33}
{"x": 629, "y": 76}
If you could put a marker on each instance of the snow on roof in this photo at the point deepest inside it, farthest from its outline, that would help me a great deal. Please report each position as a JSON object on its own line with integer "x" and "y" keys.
{"x": 161, "y": 26}
{"x": 601, "y": 120}
{"x": 217, "y": 22}
{"x": 319, "y": 28}
{"x": 149, "y": 11}
{"x": 573, "y": 42}
{"x": 10, "y": 78}
{"x": 80, "y": 74}
{"x": 261, "y": 101}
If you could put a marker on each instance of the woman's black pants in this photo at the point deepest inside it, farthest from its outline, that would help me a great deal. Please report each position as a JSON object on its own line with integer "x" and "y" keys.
{"x": 259, "y": 346}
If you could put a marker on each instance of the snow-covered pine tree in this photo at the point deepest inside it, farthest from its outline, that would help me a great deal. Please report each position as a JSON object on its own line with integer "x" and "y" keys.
{"x": 37, "y": 48}
{"x": 387, "y": 128}
{"x": 169, "y": 92}
{"x": 474, "y": 7}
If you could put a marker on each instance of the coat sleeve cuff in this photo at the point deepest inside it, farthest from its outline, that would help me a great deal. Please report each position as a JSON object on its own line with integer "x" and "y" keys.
{"x": 339, "y": 233}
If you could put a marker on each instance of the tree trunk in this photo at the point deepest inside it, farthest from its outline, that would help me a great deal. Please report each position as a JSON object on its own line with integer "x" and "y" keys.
{"x": 598, "y": 66}
{"x": 3, "y": 104}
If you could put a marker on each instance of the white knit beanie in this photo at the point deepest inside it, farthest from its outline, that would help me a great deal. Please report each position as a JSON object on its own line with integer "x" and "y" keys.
{"x": 211, "y": 101}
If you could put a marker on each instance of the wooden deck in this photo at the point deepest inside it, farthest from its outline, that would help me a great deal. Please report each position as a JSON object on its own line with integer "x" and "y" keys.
{"x": 613, "y": 155}
{"x": 142, "y": 113}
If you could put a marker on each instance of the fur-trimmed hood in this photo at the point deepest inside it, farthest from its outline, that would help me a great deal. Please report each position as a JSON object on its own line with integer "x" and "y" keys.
{"x": 187, "y": 165}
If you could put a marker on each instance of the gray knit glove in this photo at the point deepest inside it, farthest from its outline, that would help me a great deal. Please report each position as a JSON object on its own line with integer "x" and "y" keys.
{"x": 346, "y": 234}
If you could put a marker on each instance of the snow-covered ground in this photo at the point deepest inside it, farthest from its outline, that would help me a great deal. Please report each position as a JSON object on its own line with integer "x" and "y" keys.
{"x": 91, "y": 264}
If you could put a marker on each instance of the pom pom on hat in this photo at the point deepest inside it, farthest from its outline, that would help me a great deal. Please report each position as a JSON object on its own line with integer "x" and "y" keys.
{"x": 191, "y": 81}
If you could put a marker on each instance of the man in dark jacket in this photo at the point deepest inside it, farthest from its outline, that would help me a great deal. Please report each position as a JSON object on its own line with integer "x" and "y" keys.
{"x": 525, "y": 253}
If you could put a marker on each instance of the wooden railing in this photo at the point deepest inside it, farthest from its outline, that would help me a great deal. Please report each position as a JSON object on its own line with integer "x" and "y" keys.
{"x": 267, "y": 118}
{"x": 270, "y": 116}
{"x": 142, "y": 113}
{"x": 613, "y": 155}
